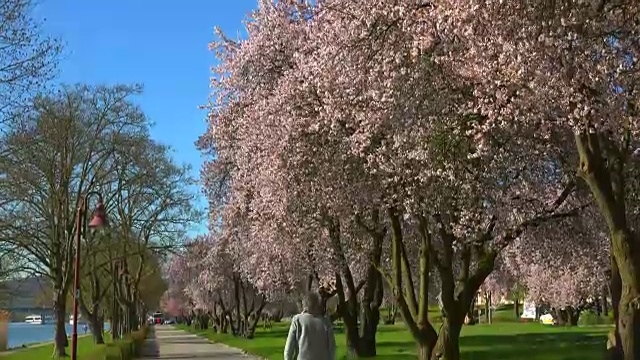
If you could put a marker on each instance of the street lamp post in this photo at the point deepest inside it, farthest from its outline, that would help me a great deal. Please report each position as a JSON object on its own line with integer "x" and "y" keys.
{"x": 98, "y": 220}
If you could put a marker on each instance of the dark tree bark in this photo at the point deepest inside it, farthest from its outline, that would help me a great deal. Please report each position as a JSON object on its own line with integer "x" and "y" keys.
{"x": 236, "y": 328}
{"x": 392, "y": 313}
{"x": 253, "y": 324}
{"x": 602, "y": 167}
{"x": 96, "y": 325}
{"x": 361, "y": 319}
{"x": 470, "y": 317}
{"x": 448, "y": 344}
{"x": 60, "y": 313}
{"x": 487, "y": 308}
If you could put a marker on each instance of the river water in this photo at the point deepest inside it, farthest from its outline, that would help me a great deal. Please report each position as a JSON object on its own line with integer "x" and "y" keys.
{"x": 23, "y": 333}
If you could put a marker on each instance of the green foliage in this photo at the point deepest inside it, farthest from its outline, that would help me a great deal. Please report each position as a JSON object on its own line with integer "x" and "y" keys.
{"x": 128, "y": 348}
{"x": 87, "y": 350}
{"x": 590, "y": 318}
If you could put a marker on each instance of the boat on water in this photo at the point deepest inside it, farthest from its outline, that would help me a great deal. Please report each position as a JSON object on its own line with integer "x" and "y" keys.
{"x": 34, "y": 319}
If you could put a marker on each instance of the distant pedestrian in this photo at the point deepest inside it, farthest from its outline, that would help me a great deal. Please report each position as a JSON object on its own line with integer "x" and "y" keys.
{"x": 85, "y": 328}
{"x": 311, "y": 333}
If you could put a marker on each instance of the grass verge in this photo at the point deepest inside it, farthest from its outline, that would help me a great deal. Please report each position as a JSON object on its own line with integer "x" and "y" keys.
{"x": 504, "y": 341}
{"x": 86, "y": 349}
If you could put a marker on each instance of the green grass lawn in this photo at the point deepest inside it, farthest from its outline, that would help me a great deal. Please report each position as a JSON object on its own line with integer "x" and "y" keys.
{"x": 499, "y": 341}
{"x": 86, "y": 351}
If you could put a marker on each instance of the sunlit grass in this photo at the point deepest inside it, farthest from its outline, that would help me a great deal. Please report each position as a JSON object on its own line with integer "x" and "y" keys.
{"x": 86, "y": 350}
{"x": 503, "y": 341}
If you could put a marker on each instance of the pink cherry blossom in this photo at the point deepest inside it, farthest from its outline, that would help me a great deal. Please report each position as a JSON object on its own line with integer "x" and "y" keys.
{"x": 349, "y": 136}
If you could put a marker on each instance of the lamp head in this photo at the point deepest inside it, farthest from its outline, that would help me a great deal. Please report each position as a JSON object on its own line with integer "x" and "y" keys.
{"x": 99, "y": 219}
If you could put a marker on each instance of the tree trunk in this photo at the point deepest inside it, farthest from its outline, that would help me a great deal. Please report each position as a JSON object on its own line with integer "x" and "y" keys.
{"x": 448, "y": 345}
{"x": 115, "y": 320}
{"x": 277, "y": 315}
{"x": 626, "y": 256}
{"x": 608, "y": 188}
{"x": 414, "y": 311}
{"x": 573, "y": 315}
{"x": 516, "y": 308}
{"x": 94, "y": 319}
{"x": 373, "y": 294}
{"x": 598, "y": 305}
{"x": 351, "y": 330}
{"x": 310, "y": 278}
{"x": 424, "y": 349}
{"x": 349, "y": 307}
{"x": 204, "y": 321}
{"x": 251, "y": 328}
{"x": 392, "y": 313}
{"x": 368, "y": 328}
{"x": 96, "y": 326}
{"x": 561, "y": 318}
{"x": 133, "y": 313}
{"x": 226, "y": 321}
{"x": 629, "y": 322}
{"x": 614, "y": 352}
{"x": 60, "y": 310}
{"x": 624, "y": 341}
{"x": 470, "y": 317}
{"x": 253, "y": 324}
{"x": 236, "y": 295}
{"x": 487, "y": 308}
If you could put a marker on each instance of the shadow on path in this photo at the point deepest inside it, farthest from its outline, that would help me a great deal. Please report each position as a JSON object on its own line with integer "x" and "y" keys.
{"x": 150, "y": 350}
{"x": 168, "y": 343}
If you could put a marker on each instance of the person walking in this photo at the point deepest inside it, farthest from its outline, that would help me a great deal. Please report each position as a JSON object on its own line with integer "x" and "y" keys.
{"x": 311, "y": 333}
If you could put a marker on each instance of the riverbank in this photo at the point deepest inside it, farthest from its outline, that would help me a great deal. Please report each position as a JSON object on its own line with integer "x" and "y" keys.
{"x": 45, "y": 350}
{"x": 20, "y": 334}
{"x": 34, "y": 345}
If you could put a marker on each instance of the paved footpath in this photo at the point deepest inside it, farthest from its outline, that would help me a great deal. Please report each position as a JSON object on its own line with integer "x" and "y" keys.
{"x": 170, "y": 343}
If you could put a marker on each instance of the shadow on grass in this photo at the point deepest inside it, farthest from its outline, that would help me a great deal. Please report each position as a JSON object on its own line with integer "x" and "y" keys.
{"x": 534, "y": 346}
{"x": 511, "y": 343}
{"x": 552, "y": 346}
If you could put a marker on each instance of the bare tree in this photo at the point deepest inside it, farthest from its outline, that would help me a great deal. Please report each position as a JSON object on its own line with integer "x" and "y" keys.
{"x": 155, "y": 210}
{"x": 28, "y": 58}
{"x": 59, "y": 153}
{"x": 151, "y": 206}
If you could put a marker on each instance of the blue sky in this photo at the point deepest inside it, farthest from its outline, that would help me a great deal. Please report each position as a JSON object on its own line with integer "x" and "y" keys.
{"x": 161, "y": 44}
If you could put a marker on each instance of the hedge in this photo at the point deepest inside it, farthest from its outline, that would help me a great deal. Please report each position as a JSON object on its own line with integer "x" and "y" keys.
{"x": 590, "y": 318}
{"x": 127, "y": 348}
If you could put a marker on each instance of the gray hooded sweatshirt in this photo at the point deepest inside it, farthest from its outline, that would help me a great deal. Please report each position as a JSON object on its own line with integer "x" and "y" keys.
{"x": 310, "y": 338}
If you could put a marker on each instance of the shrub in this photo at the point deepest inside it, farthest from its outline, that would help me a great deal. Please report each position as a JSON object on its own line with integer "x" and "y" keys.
{"x": 137, "y": 339}
{"x": 127, "y": 348}
{"x": 589, "y": 318}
